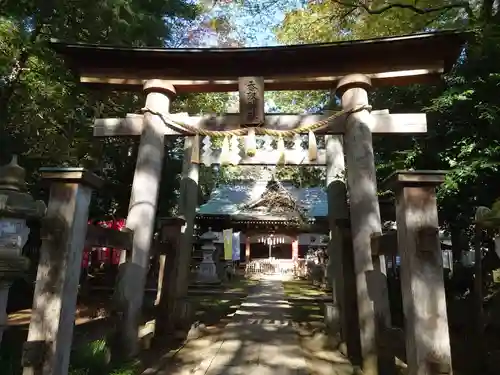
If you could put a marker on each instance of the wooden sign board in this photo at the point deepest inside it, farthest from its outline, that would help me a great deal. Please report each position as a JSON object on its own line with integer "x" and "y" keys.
{"x": 251, "y": 90}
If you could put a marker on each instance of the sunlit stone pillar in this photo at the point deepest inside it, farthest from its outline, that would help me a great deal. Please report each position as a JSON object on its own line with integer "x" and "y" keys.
{"x": 180, "y": 310}
{"x": 371, "y": 283}
{"x": 48, "y": 347}
{"x": 422, "y": 284}
{"x": 142, "y": 214}
{"x": 337, "y": 210}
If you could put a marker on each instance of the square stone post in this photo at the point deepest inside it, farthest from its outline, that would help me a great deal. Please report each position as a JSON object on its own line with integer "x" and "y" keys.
{"x": 371, "y": 283}
{"x": 424, "y": 301}
{"x": 169, "y": 232}
{"x": 188, "y": 201}
{"x": 340, "y": 271}
{"x": 174, "y": 304}
{"x": 47, "y": 350}
{"x": 337, "y": 209}
{"x": 166, "y": 305}
{"x": 131, "y": 281}
{"x": 351, "y": 344}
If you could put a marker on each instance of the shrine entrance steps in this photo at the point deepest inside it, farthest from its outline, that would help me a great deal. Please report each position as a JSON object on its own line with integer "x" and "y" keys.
{"x": 260, "y": 340}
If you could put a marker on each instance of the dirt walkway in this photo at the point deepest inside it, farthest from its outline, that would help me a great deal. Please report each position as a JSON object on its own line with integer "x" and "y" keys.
{"x": 261, "y": 339}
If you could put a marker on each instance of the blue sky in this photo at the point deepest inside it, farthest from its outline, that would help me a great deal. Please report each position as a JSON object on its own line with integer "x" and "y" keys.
{"x": 256, "y": 28}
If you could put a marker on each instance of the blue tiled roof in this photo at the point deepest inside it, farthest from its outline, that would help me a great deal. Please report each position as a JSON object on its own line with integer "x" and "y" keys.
{"x": 230, "y": 199}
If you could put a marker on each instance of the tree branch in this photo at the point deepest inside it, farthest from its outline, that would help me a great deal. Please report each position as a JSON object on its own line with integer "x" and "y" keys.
{"x": 7, "y": 91}
{"x": 413, "y": 7}
{"x": 487, "y": 10}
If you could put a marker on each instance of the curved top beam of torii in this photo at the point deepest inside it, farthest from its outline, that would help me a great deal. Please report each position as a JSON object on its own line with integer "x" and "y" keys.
{"x": 417, "y": 58}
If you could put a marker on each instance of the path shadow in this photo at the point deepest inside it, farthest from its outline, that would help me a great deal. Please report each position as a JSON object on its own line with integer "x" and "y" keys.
{"x": 260, "y": 339}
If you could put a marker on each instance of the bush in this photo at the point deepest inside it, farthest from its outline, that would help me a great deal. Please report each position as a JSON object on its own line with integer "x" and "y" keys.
{"x": 91, "y": 359}
{"x": 95, "y": 359}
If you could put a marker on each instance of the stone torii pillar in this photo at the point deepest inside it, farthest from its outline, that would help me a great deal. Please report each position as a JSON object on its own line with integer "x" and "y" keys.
{"x": 142, "y": 212}
{"x": 340, "y": 272}
{"x": 424, "y": 302}
{"x": 337, "y": 209}
{"x": 371, "y": 286}
{"x": 179, "y": 309}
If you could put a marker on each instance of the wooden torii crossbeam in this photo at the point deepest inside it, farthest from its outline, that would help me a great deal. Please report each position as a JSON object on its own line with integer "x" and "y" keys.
{"x": 383, "y": 123}
{"x": 400, "y": 60}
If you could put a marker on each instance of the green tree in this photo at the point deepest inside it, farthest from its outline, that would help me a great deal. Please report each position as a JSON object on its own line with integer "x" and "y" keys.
{"x": 46, "y": 117}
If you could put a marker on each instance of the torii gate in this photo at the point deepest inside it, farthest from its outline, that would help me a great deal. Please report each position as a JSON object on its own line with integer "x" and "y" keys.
{"x": 351, "y": 68}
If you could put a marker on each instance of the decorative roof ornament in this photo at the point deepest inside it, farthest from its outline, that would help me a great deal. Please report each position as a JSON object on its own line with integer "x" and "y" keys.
{"x": 12, "y": 176}
{"x": 15, "y": 202}
{"x": 276, "y": 198}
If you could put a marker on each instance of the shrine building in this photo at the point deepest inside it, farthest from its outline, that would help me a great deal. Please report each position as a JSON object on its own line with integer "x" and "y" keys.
{"x": 273, "y": 217}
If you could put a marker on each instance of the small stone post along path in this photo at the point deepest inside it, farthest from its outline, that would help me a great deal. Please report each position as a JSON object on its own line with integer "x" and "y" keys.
{"x": 260, "y": 340}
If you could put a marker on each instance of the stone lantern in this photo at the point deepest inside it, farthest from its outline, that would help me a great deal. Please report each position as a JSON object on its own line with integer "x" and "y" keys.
{"x": 16, "y": 206}
{"x": 207, "y": 272}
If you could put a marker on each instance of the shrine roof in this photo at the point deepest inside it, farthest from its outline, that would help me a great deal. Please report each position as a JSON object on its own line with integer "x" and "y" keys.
{"x": 416, "y": 58}
{"x": 234, "y": 199}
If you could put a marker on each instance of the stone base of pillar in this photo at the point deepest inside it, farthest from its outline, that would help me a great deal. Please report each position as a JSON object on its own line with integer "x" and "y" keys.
{"x": 199, "y": 286}
{"x": 182, "y": 314}
{"x": 325, "y": 286}
{"x": 176, "y": 320}
{"x": 332, "y": 317}
{"x": 207, "y": 274}
{"x": 11, "y": 268}
{"x": 204, "y": 284}
{"x": 4, "y": 297}
{"x": 332, "y": 323}
{"x": 351, "y": 346}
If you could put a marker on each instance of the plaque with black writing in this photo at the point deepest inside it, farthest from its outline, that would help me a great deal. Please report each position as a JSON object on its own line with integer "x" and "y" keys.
{"x": 251, "y": 90}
